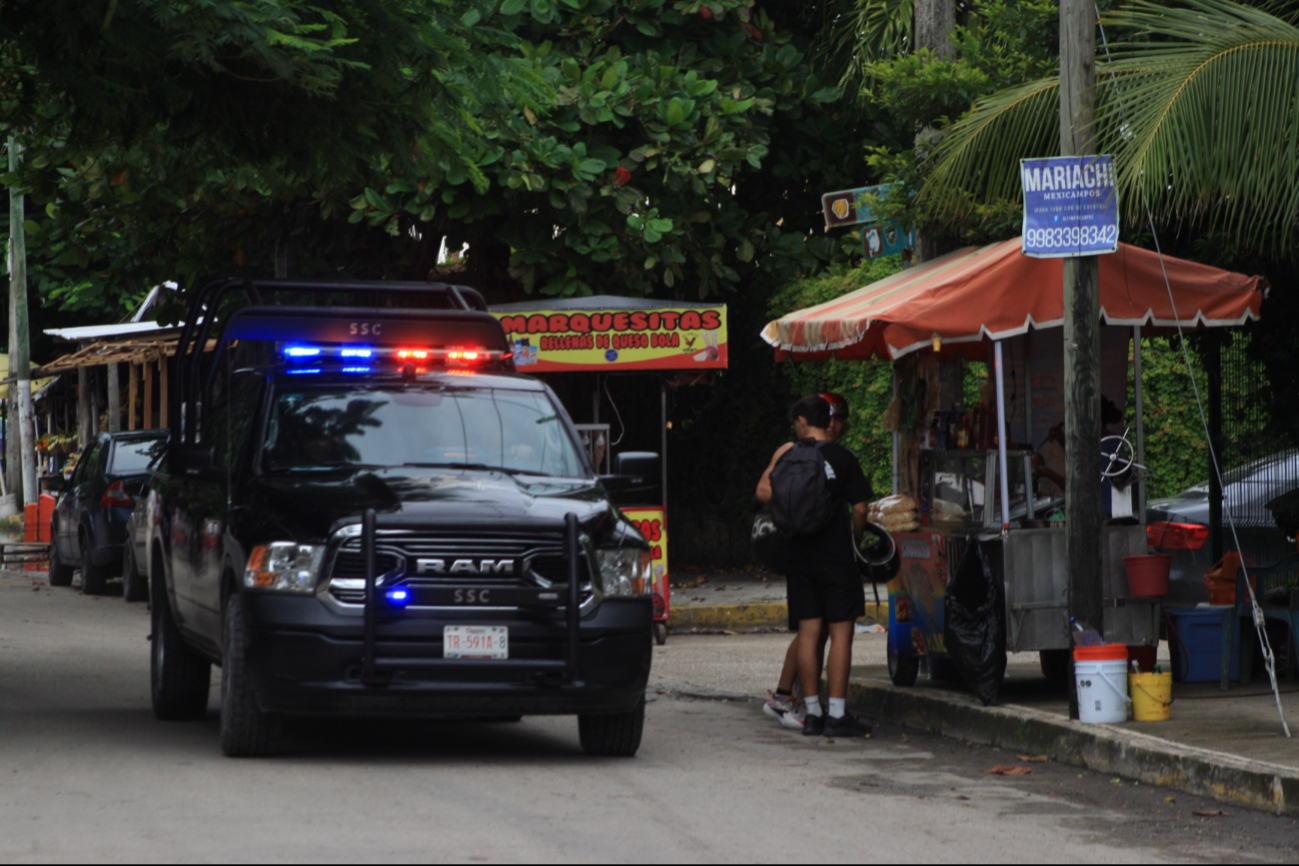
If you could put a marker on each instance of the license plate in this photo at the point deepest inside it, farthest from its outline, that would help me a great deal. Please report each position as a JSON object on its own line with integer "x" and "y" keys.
{"x": 475, "y": 642}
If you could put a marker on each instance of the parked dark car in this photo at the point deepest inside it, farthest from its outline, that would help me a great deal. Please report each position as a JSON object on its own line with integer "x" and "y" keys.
{"x": 88, "y": 529}
{"x": 135, "y": 579}
{"x": 1180, "y": 524}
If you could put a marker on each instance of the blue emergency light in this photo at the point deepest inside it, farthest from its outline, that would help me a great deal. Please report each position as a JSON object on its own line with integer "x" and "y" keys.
{"x": 415, "y": 359}
{"x": 398, "y": 596}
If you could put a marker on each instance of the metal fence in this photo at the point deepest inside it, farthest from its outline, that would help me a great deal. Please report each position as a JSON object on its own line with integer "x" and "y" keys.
{"x": 1258, "y": 455}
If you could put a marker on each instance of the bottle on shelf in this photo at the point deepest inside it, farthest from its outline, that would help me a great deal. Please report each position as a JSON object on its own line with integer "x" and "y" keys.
{"x": 963, "y": 433}
{"x": 1083, "y": 634}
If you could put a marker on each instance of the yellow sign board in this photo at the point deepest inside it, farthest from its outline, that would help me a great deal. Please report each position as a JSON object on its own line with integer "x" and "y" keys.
{"x": 666, "y": 338}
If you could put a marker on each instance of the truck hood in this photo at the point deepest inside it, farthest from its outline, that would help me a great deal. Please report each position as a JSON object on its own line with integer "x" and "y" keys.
{"x": 311, "y": 507}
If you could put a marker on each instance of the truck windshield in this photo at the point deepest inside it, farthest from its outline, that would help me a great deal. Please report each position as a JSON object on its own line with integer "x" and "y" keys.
{"x": 488, "y": 428}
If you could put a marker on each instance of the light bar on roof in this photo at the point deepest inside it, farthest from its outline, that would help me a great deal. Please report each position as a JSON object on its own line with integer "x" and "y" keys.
{"x": 417, "y": 359}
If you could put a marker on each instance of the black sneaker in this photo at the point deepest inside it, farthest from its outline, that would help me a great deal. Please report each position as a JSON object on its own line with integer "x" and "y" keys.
{"x": 846, "y": 726}
{"x": 813, "y": 726}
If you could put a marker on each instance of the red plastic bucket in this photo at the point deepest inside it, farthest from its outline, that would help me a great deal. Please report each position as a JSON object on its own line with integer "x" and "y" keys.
{"x": 1148, "y": 574}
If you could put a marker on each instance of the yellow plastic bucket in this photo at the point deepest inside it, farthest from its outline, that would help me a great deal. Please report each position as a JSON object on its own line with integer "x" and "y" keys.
{"x": 1152, "y": 695}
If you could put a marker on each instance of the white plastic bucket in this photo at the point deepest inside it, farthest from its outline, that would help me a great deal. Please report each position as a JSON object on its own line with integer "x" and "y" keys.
{"x": 1102, "y": 691}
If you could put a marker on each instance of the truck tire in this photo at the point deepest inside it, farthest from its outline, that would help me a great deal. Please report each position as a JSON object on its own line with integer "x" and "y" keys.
{"x": 134, "y": 585}
{"x": 180, "y": 677}
{"x": 60, "y": 572}
{"x": 246, "y": 731}
{"x": 612, "y": 736}
{"x": 93, "y": 577}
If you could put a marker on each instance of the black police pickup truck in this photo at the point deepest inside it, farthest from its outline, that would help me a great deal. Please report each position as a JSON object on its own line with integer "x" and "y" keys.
{"x": 363, "y": 510}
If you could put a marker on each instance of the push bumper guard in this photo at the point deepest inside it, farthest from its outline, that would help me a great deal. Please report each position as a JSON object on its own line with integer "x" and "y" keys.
{"x": 377, "y": 672}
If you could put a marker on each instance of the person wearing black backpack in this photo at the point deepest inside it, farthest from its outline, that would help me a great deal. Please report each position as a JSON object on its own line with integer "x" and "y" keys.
{"x": 810, "y": 487}
{"x": 781, "y": 703}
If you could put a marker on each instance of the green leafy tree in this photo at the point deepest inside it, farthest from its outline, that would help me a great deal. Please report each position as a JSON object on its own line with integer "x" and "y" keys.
{"x": 169, "y": 140}
{"x": 1196, "y": 104}
{"x": 632, "y": 183}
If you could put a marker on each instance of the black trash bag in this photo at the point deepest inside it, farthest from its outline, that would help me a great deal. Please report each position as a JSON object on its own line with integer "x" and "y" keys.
{"x": 975, "y": 624}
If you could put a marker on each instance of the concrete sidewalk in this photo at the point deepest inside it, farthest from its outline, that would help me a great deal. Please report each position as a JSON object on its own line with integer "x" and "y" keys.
{"x": 1229, "y": 746}
{"x": 740, "y": 600}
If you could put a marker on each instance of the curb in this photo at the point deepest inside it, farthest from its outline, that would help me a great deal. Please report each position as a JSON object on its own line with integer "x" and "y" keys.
{"x": 1104, "y": 748}
{"x": 771, "y": 616}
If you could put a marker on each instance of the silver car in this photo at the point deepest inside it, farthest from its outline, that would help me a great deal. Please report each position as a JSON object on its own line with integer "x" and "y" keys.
{"x": 1179, "y": 524}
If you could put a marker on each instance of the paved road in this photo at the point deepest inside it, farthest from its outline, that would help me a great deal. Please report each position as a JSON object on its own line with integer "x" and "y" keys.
{"x": 89, "y": 774}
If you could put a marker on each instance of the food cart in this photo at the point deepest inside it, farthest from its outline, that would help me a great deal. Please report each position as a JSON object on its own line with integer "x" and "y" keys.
{"x": 576, "y": 344}
{"x": 964, "y": 450}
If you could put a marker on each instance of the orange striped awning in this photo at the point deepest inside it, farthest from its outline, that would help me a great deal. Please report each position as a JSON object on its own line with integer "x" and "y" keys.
{"x": 994, "y": 292}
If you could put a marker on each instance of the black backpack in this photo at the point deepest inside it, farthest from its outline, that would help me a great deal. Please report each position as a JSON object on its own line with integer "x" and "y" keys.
{"x": 801, "y": 500}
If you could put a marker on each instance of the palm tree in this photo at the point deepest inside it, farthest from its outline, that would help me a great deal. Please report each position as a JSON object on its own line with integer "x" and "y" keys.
{"x": 1199, "y": 105}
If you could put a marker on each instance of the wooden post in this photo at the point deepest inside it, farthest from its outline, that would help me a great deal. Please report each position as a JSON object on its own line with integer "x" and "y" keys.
{"x": 1213, "y": 361}
{"x": 1082, "y": 411}
{"x": 114, "y": 398}
{"x": 133, "y": 392}
{"x": 148, "y": 395}
{"x": 20, "y": 359}
{"x": 934, "y": 22}
{"x": 164, "y": 419}
{"x": 85, "y": 421}
{"x": 94, "y": 376}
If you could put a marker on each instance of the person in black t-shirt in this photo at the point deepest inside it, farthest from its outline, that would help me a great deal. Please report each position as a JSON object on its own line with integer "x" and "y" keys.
{"x": 781, "y": 703}
{"x": 824, "y": 586}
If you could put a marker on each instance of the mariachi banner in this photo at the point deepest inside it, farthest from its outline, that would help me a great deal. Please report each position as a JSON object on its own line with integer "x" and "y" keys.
{"x": 668, "y": 338}
{"x": 653, "y": 524}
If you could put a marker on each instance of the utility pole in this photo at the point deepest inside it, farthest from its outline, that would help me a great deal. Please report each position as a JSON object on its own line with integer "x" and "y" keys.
{"x": 20, "y": 358}
{"x": 1082, "y": 422}
{"x": 933, "y": 25}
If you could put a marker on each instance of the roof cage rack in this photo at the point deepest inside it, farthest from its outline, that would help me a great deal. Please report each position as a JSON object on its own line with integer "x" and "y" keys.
{"x": 463, "y": 303}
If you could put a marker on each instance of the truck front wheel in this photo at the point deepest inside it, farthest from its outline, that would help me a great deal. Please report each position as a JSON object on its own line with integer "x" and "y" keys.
{"x": 246, "y": 731}
{"x": 612, "y": 736}
{"x": 180, "y": 676}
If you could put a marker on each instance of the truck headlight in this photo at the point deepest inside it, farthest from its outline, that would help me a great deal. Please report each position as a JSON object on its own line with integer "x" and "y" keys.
{"x": 624, "y": 570}
{"x": 284, "y": 567}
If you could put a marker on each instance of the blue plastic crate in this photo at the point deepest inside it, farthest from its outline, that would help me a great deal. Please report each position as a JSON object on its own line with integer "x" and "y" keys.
{"x": 1195, "y": 644}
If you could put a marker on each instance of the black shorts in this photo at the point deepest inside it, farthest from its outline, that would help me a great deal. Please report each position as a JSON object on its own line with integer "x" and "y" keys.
{"x": 831, "y": 591}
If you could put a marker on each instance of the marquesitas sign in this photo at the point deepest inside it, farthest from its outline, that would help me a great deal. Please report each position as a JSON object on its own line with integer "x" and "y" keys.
{"x": 666, "y": 338}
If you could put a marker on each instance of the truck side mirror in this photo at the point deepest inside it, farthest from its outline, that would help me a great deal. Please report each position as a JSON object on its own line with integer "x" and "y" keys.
{"x": 641, "y": 466}
{"x": 636, "y": 479}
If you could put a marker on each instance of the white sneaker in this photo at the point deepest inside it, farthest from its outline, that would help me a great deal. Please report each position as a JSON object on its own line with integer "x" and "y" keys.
{"x": 795, "y": 717}
{"x": 778, "y": 708}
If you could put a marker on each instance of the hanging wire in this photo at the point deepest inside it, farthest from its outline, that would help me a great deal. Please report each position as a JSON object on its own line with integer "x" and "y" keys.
{"x": 1269, "y": 660}
{"x": 622, "y": 428}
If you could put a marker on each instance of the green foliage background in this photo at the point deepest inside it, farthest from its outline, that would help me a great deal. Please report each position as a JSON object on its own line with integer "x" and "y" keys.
{"x": 867, "y": 385}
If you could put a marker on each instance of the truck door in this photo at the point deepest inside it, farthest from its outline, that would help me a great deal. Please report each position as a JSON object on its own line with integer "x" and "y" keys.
{"x": 74, "y": 503}
{"x": 227, "y": 433}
